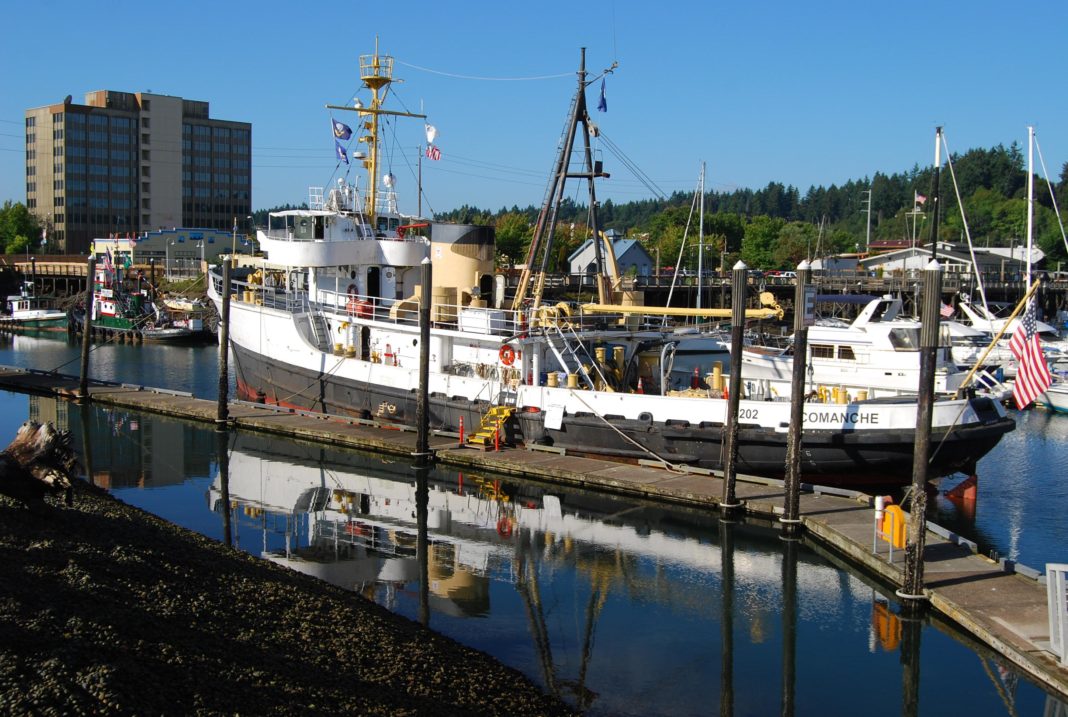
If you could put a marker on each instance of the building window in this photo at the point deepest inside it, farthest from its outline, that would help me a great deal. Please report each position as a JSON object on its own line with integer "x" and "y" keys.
{"x": 146, "y": 171}
{"x": 144, "y": 138}
{"x": 59, "y": 219}
{"x": 145, "y": 123}
{"x": 846, "y": 353}
{"x": 145, "y": 219}
{"x": 145, "y": 105}
{"x": 145, "y": 156}
{"x": 57, "y": 184}
{"x": 146, "y": 203}
{"x": 57, "y": 201}
{"x": 31, "y": 121}
{"x": 30, "y": 138}
{"x": 146, "y": 187}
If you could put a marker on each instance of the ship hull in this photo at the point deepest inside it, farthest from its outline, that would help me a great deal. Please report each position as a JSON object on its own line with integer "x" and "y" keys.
{"x": 867, "y": 456}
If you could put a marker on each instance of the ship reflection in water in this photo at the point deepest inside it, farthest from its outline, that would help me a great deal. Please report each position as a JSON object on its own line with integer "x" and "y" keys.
{"x": 618, "y": 607}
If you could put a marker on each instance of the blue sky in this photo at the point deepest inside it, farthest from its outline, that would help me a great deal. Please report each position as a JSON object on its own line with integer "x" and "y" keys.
{"x": 803, "y": 93}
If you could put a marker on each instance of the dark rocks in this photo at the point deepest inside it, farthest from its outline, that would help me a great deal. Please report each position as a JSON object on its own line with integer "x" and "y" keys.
{"x": 105, "y": 609}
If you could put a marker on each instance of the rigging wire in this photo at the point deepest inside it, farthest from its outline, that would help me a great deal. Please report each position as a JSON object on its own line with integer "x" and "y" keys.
{"x": 1052, "y": 196}
{"x": 483, "y": 79}
{"x": 634, "y": 169}
{"x": 967, "y": 230}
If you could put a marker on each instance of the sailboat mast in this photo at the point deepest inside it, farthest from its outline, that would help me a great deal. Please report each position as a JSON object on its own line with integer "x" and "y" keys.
{"x": 1030, "y": 195}
{"x": 701, "y": 240}
{"x": 934, "y": 193}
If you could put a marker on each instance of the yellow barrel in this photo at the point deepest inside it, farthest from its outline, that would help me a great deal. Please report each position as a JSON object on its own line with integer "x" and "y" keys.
{"x": 554, "y": 379}
{"x": 862, "y": 395}
{"x": 572, "y": 380}
{"x": 717, "y": 376}
{"x": 618, "y": 352}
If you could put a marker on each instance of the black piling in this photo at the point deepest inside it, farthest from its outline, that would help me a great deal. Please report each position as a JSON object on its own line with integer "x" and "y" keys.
{"x": 223, "y": 411}
{"x": 87, "y": 330}
{"x": 804, "y": 316}
{"x": 730, "y": 466}
{"x": 422, "y": 443}
{"x": 912, "y": 590}
{"x": 726, "y": 672}
{"x": 222, "y": 447}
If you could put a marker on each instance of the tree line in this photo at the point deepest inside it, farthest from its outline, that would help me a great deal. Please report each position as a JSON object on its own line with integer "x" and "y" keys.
{"x": 771, "y": 228}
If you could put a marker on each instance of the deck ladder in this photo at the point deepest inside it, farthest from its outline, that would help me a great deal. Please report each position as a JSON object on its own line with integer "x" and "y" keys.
{"x": 566, "y": 351}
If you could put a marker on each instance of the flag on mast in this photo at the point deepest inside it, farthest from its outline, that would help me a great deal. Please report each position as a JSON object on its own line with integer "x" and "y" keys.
{"x": 341, "y": 130}
{"x": 342, "y": 155}
{"x": 602, "y": 104}
{"x": 1032, "y": 373}
{"x": 919, "y": 198}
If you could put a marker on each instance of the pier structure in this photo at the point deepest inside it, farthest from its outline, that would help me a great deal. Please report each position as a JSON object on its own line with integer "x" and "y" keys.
{"x": 1000, "y": 603}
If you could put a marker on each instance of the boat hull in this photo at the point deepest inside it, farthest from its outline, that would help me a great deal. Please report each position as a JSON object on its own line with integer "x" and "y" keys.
{"x": 862, "y": 457}
{"x": 872, "y": 457}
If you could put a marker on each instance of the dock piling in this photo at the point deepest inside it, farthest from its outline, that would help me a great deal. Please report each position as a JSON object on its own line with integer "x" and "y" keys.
{"x": 730, "y": 467}
{"x": 87, "y": 330}
{"x": 804, "y": 315}
{"x": 222, "y": 414}
{"x": 912, "y": 589}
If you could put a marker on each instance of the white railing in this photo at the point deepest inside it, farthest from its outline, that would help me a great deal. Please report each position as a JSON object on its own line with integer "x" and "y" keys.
{"x": 1057, "y": 598}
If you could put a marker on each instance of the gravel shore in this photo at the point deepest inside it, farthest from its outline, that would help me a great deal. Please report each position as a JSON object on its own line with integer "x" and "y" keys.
{"x": 106, "y": 609}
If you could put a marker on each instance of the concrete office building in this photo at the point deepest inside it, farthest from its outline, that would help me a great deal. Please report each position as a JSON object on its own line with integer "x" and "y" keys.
{"x": 133, "y": 162}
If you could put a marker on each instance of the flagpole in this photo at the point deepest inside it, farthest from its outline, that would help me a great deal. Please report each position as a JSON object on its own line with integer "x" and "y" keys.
{"x": 997, "y": 337}
{"x": 1030, "y": 195}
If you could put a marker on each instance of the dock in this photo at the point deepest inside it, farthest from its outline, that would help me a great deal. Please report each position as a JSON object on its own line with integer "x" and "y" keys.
{"x": 1001, "y": 604}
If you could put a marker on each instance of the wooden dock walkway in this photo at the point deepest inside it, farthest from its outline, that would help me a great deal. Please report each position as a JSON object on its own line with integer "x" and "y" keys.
{"x": 1000, "y": 604}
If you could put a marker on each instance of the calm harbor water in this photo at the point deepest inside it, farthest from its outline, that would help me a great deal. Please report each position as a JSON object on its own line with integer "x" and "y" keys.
{"x": 618, "y": 606}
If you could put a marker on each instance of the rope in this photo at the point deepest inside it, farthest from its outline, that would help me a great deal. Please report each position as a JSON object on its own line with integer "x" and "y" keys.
{"x": 484, "y": 79}
{"x": 667, "y": 464}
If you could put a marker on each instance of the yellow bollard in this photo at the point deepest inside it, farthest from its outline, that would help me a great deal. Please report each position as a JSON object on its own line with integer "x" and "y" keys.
{"x": 572, "y": 380}
{"x": 717, "y": 377}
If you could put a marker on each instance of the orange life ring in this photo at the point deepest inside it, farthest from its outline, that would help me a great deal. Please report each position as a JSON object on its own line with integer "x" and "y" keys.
{"x": 507, "y": 355}
{"x": 504, "y": 527}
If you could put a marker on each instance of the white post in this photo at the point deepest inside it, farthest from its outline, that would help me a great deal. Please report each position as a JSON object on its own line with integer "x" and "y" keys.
{"x": 1057, "y": 601}
{"x": 1030, "y": 196}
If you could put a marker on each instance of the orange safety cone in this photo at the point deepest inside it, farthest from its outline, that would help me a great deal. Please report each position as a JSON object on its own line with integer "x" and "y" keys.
{"x": 641, "y": 389}
{"x": 695, "y": 380}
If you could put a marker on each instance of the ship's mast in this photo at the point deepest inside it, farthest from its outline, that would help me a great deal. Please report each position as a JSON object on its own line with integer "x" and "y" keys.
{"x": 542, "y": 241}
{"x": 376, "y": 72}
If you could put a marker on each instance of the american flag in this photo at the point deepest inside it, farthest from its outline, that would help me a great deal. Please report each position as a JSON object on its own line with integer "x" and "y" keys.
{"x": 946, "y": 310}
{"x": 1032, "y": 373}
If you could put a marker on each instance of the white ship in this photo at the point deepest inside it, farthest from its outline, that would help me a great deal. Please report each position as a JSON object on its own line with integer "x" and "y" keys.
{"x": 327, "y": 321}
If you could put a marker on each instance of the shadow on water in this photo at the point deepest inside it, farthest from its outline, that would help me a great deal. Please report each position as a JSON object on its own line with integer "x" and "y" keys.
{"x": 618, "y": 606}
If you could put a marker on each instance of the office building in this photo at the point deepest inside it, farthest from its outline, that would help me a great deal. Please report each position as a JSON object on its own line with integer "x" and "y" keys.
{"x": 133, "y": 162}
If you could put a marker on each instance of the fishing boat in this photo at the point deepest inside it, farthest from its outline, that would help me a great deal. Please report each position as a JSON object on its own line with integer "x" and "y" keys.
{"x": 26, "y": 310}
{"x": 130, "y": 313}
{"x": 327, "y": 320}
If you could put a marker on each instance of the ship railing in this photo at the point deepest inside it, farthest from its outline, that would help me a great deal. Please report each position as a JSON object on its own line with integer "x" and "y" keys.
{"x": 485, "y": 320}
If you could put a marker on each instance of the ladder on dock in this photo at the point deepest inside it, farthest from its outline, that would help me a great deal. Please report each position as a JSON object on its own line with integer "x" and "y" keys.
{"x": 496, "y": 418}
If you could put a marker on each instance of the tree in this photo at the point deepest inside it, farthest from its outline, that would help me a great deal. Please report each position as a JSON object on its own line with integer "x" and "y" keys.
{"x": 17, "y": 225}
{"x": 758, "y": 246}
{"x": 513, "y": 232}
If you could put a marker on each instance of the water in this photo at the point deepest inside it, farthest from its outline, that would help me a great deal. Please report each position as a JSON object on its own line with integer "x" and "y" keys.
{"x": 618, "y": 606}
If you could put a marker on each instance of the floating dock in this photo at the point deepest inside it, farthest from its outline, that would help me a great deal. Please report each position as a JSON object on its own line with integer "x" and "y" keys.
{"x": 1002, "y": 604}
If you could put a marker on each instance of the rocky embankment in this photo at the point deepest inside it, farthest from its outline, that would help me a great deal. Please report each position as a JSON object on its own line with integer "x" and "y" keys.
{"x": 106, "y": 609}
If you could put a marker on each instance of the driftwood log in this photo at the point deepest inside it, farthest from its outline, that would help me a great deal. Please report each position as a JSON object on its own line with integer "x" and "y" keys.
{"x": 39, "y": 462}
